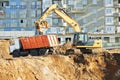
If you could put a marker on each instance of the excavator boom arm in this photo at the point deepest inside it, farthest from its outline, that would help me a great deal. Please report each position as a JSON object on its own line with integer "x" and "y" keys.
{"x": 47, "y": 12}
{"x": 68, "y": 19}
{"x": 61, "y": 13}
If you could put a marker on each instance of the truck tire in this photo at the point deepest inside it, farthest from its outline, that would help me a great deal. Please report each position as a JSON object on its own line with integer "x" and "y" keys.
{"x": 16, "y": 53}
{"x": 34, "y": 52}
{"x": 42, "y": 51}
{"x": 51, "y": 50}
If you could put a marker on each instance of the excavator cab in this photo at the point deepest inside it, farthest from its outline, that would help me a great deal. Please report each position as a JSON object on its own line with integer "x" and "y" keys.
{"x": 85, "y": 44}
{"x": 80, "y": 39}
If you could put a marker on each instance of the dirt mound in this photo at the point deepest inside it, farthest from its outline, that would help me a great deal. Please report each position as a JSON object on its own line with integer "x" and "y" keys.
{"x": 58, "y": 67}
{"x": 37, "y": 68}
{"x": 101, "y": 66}
{"x": 62, "y": 48}
{"x": 4, "y": 49}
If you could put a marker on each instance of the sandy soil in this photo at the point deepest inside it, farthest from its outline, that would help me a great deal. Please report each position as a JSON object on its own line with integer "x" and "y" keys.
{"x": 102, "y": 66}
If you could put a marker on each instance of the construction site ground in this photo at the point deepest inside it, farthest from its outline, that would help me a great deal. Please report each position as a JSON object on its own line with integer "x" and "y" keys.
{"x": 100, "y": 66}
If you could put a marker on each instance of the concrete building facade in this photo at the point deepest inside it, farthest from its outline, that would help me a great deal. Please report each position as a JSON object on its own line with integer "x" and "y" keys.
{"x": 19, "y": 16}
{"x": 101, "y": 16}
{"x": 112, "y": 18}
{"x": 92, "y": 15}
{"x": 20, "y": 13}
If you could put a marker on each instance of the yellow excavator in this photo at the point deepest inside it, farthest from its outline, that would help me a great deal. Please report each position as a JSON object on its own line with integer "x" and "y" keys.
{"x": 81, "y": 40}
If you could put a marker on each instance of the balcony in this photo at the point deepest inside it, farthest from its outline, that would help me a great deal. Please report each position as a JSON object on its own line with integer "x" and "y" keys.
{"x": 77, "y": 10}
{"x": 116, "y": 5}
{"x": 117, "y": 23}
{"x": 116, "y": 14}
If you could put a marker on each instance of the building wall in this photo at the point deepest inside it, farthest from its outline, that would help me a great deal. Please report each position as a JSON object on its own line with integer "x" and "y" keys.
{"x": 20, "y": 13}
{"x": 112, "y": 17}
{"x": 3, "y": 3}
{"x": 88, "y": 13}
{"x": 92, "y": 15}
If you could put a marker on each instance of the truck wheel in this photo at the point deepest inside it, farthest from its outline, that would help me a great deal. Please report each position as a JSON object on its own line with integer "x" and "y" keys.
{"x": 51, "y": 50}
{"x": 42, "y": 51}
{"x": 34, "y": 52}
{"x": 16, "y": 53}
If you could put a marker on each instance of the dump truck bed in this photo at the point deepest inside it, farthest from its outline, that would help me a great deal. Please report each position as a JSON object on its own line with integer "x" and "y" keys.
{"x": 39, "y": 41}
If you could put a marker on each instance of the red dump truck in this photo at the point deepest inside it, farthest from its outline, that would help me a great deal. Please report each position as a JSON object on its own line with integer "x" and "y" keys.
{"x": 35, "y": 45}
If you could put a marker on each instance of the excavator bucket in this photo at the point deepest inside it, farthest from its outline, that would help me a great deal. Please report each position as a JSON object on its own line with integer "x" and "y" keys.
{"x": 42, "y": 26}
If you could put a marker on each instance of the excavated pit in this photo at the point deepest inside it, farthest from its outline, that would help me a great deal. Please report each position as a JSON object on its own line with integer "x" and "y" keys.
{"x": 101, "y": 66}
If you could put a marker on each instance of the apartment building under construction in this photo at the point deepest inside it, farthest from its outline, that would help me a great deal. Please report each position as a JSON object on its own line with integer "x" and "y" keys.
{"x": 94, "y": 16}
